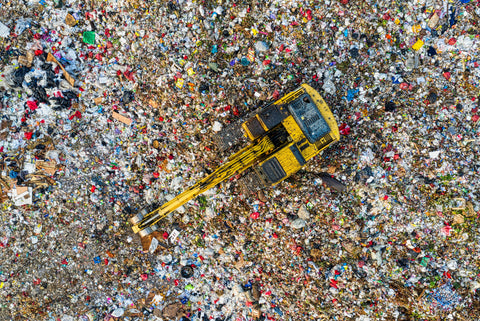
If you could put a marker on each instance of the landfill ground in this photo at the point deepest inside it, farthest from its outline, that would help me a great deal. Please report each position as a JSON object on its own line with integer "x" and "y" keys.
{"x": 107, "y": 106}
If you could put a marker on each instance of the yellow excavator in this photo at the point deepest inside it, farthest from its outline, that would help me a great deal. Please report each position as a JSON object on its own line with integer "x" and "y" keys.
{"x": 283, "y": 136}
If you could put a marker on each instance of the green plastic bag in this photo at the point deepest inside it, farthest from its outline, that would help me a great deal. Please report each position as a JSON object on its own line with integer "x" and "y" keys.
{"x": 89, "y": 37}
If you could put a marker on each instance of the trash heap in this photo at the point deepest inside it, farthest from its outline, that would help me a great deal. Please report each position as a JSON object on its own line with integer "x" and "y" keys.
{"x": 110, "y": 106}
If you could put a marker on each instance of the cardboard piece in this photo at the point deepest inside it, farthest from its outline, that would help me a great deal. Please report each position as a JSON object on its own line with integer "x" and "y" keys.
{"x": 256, "y": 314}
{"x": 331, "y": 169}
{"x": 51, "y": 58}
{"x": 30, "y": 55}
{"x": 458, "y": 219}
{"x": 146, "y": 242}
{"x": 123, "y": 119}
{"x": 132, "y": 313}
{"x": 240, "y": 263}
{"x": 47, "y": 167}
{"x": 70, "y": 20}
{"x": 3, "y": 196}
{"x": 21, "y": 195}
{"x": 22, "y": 60}
{"x": 6, "y": 187}
{"x": 21, "y": 189}
{"x": 27, "y": 59}
{"x": 98, "y": 100}
{"x": 432, "y": 23}
{"x": 153, "y": 103}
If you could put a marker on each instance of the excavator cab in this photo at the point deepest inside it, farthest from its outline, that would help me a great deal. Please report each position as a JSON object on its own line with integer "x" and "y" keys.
{"x": 307, "y": 126}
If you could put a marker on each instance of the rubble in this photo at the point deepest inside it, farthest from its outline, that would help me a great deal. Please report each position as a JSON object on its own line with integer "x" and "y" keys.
{"x": 110, "y": 106}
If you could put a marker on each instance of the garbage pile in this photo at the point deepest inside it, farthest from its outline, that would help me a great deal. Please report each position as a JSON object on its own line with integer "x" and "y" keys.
{"x": 110, "y": 106}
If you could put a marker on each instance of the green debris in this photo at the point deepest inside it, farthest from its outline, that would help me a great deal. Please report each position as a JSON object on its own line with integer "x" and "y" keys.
{"x": 89, "y": 37}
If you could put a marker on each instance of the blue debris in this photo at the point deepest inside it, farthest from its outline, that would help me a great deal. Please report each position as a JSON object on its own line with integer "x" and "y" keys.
{"x": 13, "y": 174}
{"x": 351, "y": 94}
{"x": 452, "y": 19}
{"x": 444, "y": 297}
{"x": 244, "y": 61}
{"x": 277, "y": 309}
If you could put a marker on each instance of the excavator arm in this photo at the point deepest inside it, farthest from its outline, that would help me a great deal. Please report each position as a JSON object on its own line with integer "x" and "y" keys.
{"x": 144, "y": 223}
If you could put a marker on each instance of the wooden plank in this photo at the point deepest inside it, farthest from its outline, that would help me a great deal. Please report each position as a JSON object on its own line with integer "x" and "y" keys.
{"x": 123, "y": 119}
{"x": 51, "y": 58}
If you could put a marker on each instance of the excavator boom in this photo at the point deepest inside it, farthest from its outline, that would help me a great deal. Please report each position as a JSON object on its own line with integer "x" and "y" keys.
{"x": 236, "y": 165}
